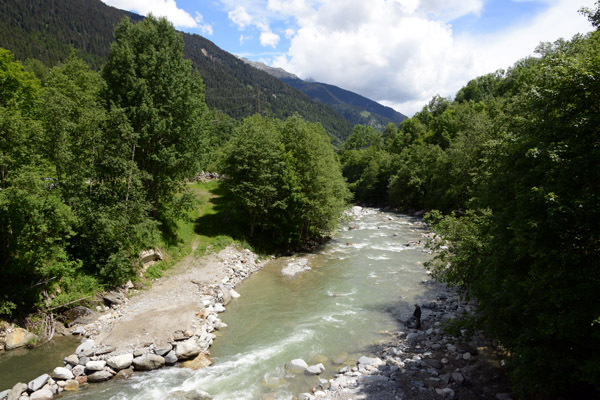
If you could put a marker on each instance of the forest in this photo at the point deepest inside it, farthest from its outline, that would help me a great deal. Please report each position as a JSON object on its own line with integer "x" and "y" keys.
{"x": 93, "y": 168}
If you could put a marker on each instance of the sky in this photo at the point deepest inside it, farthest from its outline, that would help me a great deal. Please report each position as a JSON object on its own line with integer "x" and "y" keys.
{"x": 397, "y": 52}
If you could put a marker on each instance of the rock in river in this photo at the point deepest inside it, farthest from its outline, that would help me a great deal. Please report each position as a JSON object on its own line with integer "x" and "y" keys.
{"x": 38, "y": 383}
{"x": 296, "y": 366}
{"x": 99, "y": 376}
{"x": 62, "y": 373}
{"x": 120, "y": 362}
{"x": 18, "y": 338}
{"x": 187, "y": 349}
{"x": 148, "y": 362}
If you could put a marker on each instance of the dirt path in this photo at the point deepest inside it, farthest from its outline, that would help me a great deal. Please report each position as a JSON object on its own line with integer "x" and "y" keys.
{"x": 171, "y": 306}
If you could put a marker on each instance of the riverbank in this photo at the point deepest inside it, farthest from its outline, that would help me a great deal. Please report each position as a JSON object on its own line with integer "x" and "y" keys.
{"x": 171, "y": 322}
{"x": 426, "y": 363}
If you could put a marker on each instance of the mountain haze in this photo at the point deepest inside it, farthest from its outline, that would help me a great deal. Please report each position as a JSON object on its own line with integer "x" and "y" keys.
{"x": 48, "y": 29}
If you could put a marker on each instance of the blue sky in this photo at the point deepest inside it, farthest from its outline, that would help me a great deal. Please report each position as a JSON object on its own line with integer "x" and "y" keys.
{"x": 397, "y": 52}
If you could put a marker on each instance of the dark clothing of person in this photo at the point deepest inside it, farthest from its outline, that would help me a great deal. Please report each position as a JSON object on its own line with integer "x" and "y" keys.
{"x": 417, "y": 315}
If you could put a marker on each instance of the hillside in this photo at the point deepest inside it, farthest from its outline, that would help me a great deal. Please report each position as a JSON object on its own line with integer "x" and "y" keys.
{"x": 355, "y": 108}
{"x": 47, "y": 29}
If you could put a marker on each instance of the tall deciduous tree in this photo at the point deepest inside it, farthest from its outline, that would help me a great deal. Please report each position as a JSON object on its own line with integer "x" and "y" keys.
{"x": 163, "y": 100}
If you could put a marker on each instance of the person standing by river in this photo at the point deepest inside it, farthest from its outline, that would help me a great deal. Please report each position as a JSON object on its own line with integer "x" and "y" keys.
{"x": 417, "y": 315}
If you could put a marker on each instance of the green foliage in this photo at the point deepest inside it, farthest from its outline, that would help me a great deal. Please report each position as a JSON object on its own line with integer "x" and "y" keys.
{"x": 284, "y": 179}
{"x": 529, "y": 247}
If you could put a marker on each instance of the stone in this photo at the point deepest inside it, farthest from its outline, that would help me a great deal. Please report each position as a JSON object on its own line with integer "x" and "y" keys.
{"x": 189, "y": 395}
{"x": 315, "y": 369}
{"x": 458, "y": 378}
{"x": 79, "y": 315}
{"x": 83, "y": 360}
{"x": 99, "y": 376}
{"x": 78, "y": 370}
{"x": 124, "y": 373}
{"x": 306, "y": 396}
{"x": 104, "y": 350}
{"x": 370, "y": 361}
{"x": 113, "y": 298}
{"x": 412, "y": 337}
{"x": 150, "y": 255}
{"x": 71, "y": 385}
{"x": 296, "y": 366}
{"x": 17, "y": 390}
{"x": 170, "y": 358}
{"x": 503, "y": 396}
{"x": 19, "y": 338}
{"x": 81, "y": 379}
{"x": 187, "y": 349}
{"x": 42, "y": 394}
{"x": 161, "y": 351}
{"x": 38, "y": 383}
{"x": 234, "y": 294}
{"x": 95, "y": 365}
{"x": 62, "y": 373}
{"x": 80, "y": 330}
{"x": 201, "y": 361}
{"x": 72, "y": 360}
{"x": 466, "y": 356}
{"x": 445, "y": 392}
{"x": 219, "y": 308}
{"x": 4, "y": 394}
{"x": 437, "y": 364}
{"x": 120, "y": 362}
{"x": 85, "y": 346}
{"x": 372, "y": 379}
{"x": 148, "y": 362}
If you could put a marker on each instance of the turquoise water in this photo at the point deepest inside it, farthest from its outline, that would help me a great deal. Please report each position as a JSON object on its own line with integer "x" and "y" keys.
{"x": 361, "y": 283}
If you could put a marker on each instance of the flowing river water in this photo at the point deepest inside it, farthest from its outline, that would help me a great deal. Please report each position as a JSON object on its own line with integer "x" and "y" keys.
{"x": 361, "y": 283}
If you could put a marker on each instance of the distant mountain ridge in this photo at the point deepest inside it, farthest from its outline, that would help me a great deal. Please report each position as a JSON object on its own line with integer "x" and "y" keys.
{"x": 354, "y": 107}
{"x": 48, "y": 29}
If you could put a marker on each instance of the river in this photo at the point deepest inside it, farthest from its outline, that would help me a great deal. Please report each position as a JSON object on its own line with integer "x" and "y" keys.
{"x": 362, "y": 281}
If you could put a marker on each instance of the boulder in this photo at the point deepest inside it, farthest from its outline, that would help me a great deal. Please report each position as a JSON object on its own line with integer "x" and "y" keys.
{"x": 458, "y": 378}
{"x": 433, "y": 363}
{"x": 187, "y": 349}
{"x": 219, "y": 308}
{"x": 4, "y": 394}
{"x": 95, "y": 365}
{"x": 234, "y": 294}
{"x": 38, "y": 383}
{"x": 72, "y": 360}
{"x": 104, "y": 350}
{"x": 296, "y": 366}
{"x": 17, "y": 390}
{"x": 99, "y": 376}
{"x": 375, "y": 361}
{"x": 124, "y": 373}
{"x": 170, "y": 358}
{"x": 161, "y": 351}
{"x": 189, "y": 395}
{"x": 412, "y": 337}
{"x": 85, "y": 347}
{"x": 19, "y": 338}
{"x": 79, "y": 315}
{"x": 42, "y": 394}
{"x": 201, "y": 361}
{"x": 113, "y": 298}
{"x": 81, "y": 379}
{"x": 120, "y": 362}
{"x": 62, "y": 373}
{"x": 78, "y": 370}
{"x": 71, "y": 385}
{"x": 148, "y": 362}
{"x": 150, "y": 255}
{"x": 315, "y": 369}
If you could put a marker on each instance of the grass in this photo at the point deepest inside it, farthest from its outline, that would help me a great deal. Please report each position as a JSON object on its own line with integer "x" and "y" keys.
{"x": 202, "y": 229}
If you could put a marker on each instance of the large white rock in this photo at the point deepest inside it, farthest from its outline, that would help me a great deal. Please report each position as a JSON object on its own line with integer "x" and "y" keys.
{"x": 148, "y": 362}
{"x": 62, "y": 373}
{"x": 315, "y": 369}
{"x": 120, "y": 362}
{"x": 219, "y": 308}
{"x": 38, "y": 383}
{"x": 42, "y": 394}
{"x": 234, "y": 294}
{"x": 187, "y": 349}
{"x": 375, "y": 361}
{"x": 85, "y": 346}
{"x": 95, "y": 365}
{"x": 296, "y": 366}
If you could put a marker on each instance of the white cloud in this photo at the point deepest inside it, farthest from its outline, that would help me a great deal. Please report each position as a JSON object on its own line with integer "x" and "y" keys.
{"x": 159, "y": 8}
{"x": 403, "y": 52}
{"x": 268, "y": 38}
{"x": 204, "y": 28}
{"x": 240, "y": 17}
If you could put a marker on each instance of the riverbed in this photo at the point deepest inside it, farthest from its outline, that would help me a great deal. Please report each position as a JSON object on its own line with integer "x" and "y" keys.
{"x": 361, "y": 284}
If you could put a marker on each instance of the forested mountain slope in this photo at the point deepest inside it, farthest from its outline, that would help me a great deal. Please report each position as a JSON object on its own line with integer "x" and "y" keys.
{"x": 355, "y": 108}
{"x": 47, "y": 29}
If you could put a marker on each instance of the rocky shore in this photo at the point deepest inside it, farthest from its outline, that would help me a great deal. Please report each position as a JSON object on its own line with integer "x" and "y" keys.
{"x": 126, "y": 336}
{"x": 421, "y": 364}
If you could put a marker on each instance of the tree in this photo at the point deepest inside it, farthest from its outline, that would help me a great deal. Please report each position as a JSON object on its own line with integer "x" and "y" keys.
{"x": 163, "y": 100}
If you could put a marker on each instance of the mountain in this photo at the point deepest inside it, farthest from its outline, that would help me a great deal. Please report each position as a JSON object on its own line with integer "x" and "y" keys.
{"x": 48, "y": 29}
{"x": 355, "y": 108}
